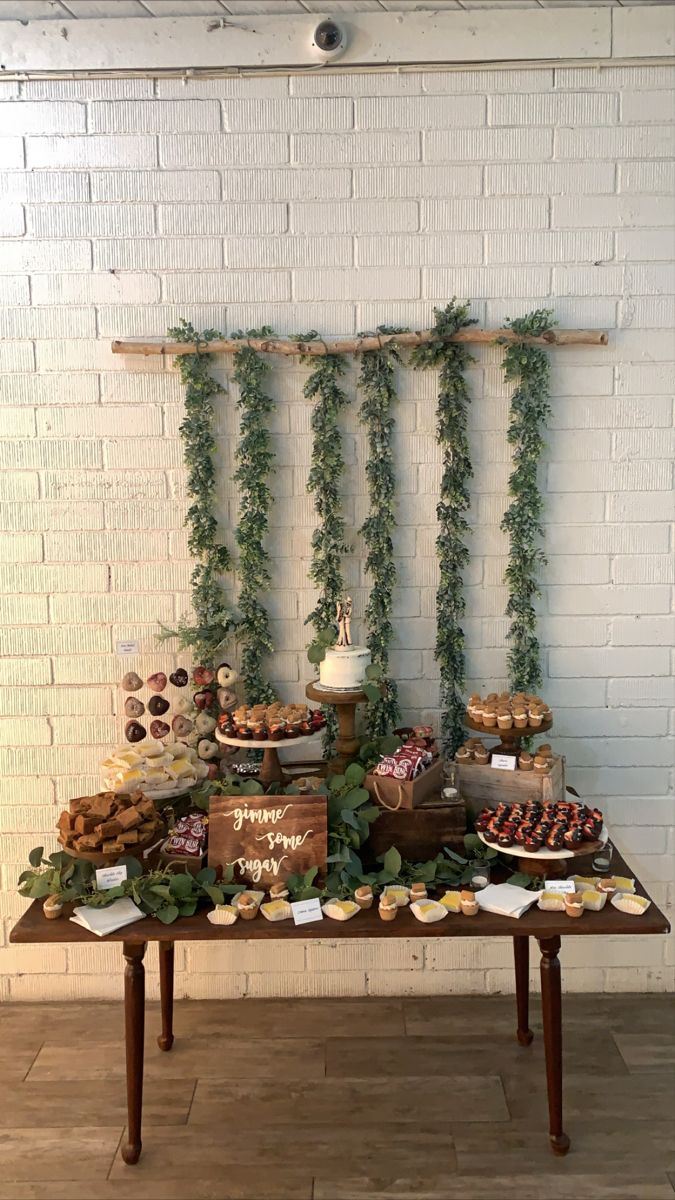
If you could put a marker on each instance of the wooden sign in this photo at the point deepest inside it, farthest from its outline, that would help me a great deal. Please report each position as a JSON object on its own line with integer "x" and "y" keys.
{"x": 268, "y": 838}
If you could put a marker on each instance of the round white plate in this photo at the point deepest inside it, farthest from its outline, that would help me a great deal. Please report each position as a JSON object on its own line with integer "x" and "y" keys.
{"x": 518, "y": 852}
{"x": 269, "y": 744}
{"x": 163, "y": 793}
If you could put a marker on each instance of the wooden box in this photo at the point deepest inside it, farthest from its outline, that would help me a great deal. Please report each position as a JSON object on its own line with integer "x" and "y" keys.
{"x": 419, "y": 834}
{"x": 268, "y": 838}
{"x": 486, "y": 786}
{"x": 396, "y": 794}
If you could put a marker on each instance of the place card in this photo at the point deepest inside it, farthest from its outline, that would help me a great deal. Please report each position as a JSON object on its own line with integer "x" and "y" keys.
{"x": 503, "y": 762}
{"x": 110, "y": 877}
{"x": 123, "y": 648}
{"x": 559, "y": 885}
{"x": 305, "y": 911}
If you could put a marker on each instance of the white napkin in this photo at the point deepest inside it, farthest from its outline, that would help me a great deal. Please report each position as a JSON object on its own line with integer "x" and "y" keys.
{"x": 505, "y": 899}
{"x": 106, "y": 920}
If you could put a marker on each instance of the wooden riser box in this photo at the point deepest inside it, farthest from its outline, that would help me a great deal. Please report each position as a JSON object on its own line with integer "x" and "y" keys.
{"x": 486, "y": 787}
{"x": 419, "y": 834}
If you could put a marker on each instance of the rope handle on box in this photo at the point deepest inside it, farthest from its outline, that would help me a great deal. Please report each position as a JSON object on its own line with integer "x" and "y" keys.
{"x": 382, "y": 801}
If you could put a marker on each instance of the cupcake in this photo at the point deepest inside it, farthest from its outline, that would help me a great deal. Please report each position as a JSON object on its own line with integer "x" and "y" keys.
{"x": 545, "y": 750}
{"x": 364, "y": 896}
{"x": 481, "y": 755}
{"x": 468, "y": 903}
{"x": 525, "y": 761}
{"x": 464, "y": 755}
{"x": 490, "y": 716}
{"x": 541, "y": 765}
{"x": 418, "y": 891}
{"x": 574, "y": 904}
{"x": 388, "y": 908}
{"x": 504, "y": 720}
{"x": 536, "y": 717}
{"x": 247, "y": 906}
{"x": 520, "y": 718}
{"x": 278, "y": 891}
{"x": 492, "y": 697}
{"x": 504, "y": 697}
{"x": 474, "y": 701}
{"x": 607, "y": 885}
{"x": 52, "y": 908}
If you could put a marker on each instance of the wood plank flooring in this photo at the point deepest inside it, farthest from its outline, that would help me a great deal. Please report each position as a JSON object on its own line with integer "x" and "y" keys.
{"x": 429, "y": 1099}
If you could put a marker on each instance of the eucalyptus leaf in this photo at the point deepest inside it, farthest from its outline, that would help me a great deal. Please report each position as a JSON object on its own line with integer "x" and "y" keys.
{"x": 392, "y": 861}
{"x": 355, "y": 774}
{"x": 168, "y": 914}
{"x": 458, "y": 858}
{"x": 180, "y": 886}
{"x": 206, "y": 875}
{"x": 35, "y": 856}
{"x": 251, "y": 787}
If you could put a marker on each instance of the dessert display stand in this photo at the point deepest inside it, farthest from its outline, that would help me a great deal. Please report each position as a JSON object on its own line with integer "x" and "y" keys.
{"x": 271, "y": 770}
{"x": 549, "y": 864}
{"x": 344, "y": 702}
{"x": 510, "y": 738}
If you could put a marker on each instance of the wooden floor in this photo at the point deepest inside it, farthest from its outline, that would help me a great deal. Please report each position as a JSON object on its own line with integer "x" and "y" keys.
{"x": 427, "y": 1099}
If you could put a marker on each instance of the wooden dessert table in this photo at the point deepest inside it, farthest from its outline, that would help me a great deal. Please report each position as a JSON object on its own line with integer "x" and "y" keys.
{"x": 546, "y": 927}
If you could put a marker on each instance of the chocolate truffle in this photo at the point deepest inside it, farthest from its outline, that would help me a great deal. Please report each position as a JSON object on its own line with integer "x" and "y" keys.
{"x": 134, "y": 732}
{"x": 158, "y": 705}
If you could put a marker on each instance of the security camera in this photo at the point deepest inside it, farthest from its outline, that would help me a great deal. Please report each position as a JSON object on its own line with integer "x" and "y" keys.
{"x": 329, "y": 40}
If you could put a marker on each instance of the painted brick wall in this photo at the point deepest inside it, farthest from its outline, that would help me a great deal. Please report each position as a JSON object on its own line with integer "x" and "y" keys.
{"x": 334, "y": 202}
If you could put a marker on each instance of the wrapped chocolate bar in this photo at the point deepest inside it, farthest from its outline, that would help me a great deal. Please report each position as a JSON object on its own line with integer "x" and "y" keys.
{"x": 386, "y": 766}
{"x": 188, "y": 837}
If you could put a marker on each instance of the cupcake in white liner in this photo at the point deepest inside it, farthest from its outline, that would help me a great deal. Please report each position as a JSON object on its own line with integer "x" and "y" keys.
{"x": 635, "y": 905}
{"x": 428, "y": 911}
{"x": 223, "y": 914}
{"x": 340, "y": 910}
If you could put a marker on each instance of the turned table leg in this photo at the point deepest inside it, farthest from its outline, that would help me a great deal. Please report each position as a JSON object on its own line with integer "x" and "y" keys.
{"x": 552, "y": 1017}
{"x": 521, "y": 956}
{"x": 134, "y": 1025}
{"x": 165, "y": 1039}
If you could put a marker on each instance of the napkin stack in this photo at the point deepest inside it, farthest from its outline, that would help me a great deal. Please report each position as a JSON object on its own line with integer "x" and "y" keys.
{"x": 505, "y": 899}
{"x": 107, "y": 920}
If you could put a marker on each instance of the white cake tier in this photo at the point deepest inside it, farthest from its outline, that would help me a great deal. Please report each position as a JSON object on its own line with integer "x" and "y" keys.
{"x": 344, "y": 670}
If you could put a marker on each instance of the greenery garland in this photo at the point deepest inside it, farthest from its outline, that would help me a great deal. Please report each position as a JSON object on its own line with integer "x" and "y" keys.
{"x": 255, "y": 458}
{"x": 452, "y": 359}
{"x": 530, "y": 408}
{"x": 214, "y": 620}
{"x": 377, "y": 381}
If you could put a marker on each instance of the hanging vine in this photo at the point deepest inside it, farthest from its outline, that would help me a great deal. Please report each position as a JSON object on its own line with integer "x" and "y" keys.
{"x": 530, "y": 367}
{"x": 377, "y": 381}
{"x": 452, "y": 360}
{"x": 213, "y": 618}
{"x": 255, "y": 458}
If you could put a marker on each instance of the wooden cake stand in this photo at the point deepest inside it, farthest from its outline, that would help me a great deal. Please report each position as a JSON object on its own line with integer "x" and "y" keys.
{"x": 510, "y": 738}
{"x": 271, "y": 770}
{"x": 344, "y": 703}
{"x": 550, "y": 864}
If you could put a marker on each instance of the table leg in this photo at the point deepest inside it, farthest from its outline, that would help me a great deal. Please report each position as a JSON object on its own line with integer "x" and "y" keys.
{"x": 134, "y": 1024}
{"x": 165, "y": 1039}
{"x": 552, "y": 1017}
{"x": 521, "y": 955}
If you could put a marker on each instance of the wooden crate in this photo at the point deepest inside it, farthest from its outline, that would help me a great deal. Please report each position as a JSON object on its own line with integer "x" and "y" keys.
{"x": 395, "y": 794}
{"x": 419, "y": 834}
{"x": 486, "y": 786}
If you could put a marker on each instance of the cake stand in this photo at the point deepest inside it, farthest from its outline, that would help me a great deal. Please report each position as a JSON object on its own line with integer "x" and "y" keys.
{"x": 270, "y": 771}
{"x": 344, "y": 702}
{"x": 510, "y": 738}
{"x": 551, "y": 864}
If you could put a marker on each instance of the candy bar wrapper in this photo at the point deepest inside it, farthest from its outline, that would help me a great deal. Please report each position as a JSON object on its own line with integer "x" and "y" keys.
{"x": 385, "y": 766}
{"x": 402, "y": 770}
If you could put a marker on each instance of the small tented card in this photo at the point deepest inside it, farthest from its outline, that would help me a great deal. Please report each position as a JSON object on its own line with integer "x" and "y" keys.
{"x": 109, "y": 877}
{"x": 503, "y": 762}
{"x": 305, "y": 911}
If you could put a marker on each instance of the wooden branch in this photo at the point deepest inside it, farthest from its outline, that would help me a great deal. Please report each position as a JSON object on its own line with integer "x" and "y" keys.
{"x": 355, "y": 345}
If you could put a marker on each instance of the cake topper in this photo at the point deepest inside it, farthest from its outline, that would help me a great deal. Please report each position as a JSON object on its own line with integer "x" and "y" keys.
{"x": 343, "y": 612}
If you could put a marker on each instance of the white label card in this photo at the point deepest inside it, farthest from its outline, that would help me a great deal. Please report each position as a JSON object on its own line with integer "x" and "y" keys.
{"x": 109, "y": 877}
{"x": 559, "y": 885}
{"x": 503, "y": 762}
{"x": 305, "y": 911}
{"x": 123, "y": 648}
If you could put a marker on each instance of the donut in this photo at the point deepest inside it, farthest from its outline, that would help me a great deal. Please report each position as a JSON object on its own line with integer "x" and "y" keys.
{"x": 226, "y": 675}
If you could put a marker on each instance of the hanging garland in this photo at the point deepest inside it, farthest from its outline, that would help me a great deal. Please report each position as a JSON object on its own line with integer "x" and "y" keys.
{"x": 255, "y": 458}
{"x": 452, "y": 359}
{"x": 214, "y": 620}
{"x": 376, "y": 380}
{"x": 530, "y": 408}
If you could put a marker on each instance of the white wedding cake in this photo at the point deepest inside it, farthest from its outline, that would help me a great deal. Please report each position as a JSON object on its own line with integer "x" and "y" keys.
{"x": 344, "y": 668}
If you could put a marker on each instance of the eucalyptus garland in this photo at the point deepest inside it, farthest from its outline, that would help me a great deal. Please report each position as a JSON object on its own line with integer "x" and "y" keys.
{"x": 452, "y": 360}
{"x": 255, "y": 458}
{"x": 214, "y": 620}
{"x": 530, "y": 367}
{"x": 377, "y": 382}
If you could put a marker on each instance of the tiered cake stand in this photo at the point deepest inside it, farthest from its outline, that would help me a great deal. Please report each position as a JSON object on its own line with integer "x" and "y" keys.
{"x": 551, "y": 864}
{"x": 510, "y": 738}
{"x": 344, "y": 703}
{"x": 270, "y": 771}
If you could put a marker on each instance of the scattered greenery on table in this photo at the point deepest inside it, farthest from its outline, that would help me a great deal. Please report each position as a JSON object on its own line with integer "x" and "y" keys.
{"x": 451, "y": 359}
{"x": 378, "y": 385}
{"x": 213, "y": 621}
{"x": 255, "y": 459}
{"x": 59, "y": 875}
{"x": 529, "y": 366}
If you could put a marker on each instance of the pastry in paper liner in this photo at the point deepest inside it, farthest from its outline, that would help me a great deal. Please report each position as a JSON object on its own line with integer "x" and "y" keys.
{"x": 277, "y": 910}
{"x": 582, "y": 883}
{"x": 624, "y": 884}
{"x": 400, "y": 893}
{"x": 223, "y": 914}
{"x": 340, "y": 910}
{"x": 593, "y": 900}
{"x": 635, "y": 905}
{"x": 428, "y": 911}
{"x": 551, "y": 902}
{"x": 451, "y": 901}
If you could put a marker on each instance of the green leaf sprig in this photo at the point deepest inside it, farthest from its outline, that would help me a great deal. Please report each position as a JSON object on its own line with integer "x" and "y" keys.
{"x": 530, "y": 367}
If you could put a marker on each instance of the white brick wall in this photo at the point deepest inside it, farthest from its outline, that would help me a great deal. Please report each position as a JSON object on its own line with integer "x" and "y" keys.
{"x": 335, "y": 202}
